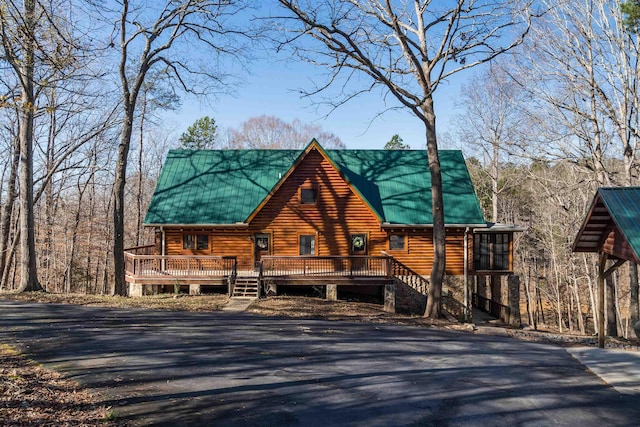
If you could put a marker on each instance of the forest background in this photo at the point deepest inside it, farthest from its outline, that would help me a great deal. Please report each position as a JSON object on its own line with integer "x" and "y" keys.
{"x": 542, "y": 126}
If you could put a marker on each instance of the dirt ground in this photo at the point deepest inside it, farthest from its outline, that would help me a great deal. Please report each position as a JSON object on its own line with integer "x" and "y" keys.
{"x": 31, "y": 395}
{"x": 34, "y": 396}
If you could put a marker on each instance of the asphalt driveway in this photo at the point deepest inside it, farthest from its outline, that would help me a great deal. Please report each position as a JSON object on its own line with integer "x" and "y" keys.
{"x": 176, "y": 368}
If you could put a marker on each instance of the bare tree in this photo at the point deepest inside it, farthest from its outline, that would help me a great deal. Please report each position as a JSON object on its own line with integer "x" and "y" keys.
{"x": 31, "y": 35}
{"x": 584, "y": 69}
{"x": 19, "y": 27}
{"x": 490, "y": 123}
{"x": 273, "y": 132}
{"x": 160, "y": 33}
{"x": 406, "y": 49}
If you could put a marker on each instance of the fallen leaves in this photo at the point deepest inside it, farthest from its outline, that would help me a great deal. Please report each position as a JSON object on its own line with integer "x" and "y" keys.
{"x": 31, "y": 395}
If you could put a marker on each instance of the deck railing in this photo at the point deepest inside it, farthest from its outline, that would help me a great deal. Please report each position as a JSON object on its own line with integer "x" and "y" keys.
{"x": 321, "y": 266}
{"x": 179, "y": 265}
{"x": 141, "y": 250}
{"x": 150, "y": 266}
{"x": 407, "y": 276}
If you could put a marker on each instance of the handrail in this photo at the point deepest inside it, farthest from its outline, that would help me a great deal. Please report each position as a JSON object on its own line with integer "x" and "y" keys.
{"x": 323, "y": 256}
{"x": 319, "y": 266}
{"x": 406, "y": 275}
{"x": 141, "y": 250}
{"x": 179, "y": 265}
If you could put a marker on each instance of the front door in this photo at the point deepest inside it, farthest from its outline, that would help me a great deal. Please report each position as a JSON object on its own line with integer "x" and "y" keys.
{"x": 261, "y": 246}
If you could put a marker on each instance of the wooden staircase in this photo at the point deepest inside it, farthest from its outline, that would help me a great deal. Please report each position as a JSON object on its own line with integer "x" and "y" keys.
{"x": 404, "y": 274}
{"x": 245, "y": 287}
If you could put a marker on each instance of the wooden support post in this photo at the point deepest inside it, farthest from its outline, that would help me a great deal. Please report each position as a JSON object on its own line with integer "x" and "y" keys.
{"x": 602, "y": 276}
{"x": 602, "y": 262}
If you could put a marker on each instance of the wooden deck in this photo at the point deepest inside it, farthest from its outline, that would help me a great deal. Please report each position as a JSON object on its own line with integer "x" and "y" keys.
{"x": 147, "y": 269}
{"x": 144, "y": 269}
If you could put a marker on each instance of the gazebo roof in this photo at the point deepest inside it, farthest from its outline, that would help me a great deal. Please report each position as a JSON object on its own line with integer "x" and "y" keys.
{"x": 612, "y": 225}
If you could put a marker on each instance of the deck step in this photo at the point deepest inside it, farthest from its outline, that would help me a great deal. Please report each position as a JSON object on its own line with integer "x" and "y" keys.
{"x": 245, "y": 287}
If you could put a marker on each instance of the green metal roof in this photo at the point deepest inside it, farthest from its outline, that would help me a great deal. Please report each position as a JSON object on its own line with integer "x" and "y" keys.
{"x": 202, "y": 187}
{"x": 623, "y": 204}
{"x": 397, "y": 184}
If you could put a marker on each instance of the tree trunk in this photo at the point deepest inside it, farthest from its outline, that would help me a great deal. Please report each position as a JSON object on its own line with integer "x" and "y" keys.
{"x": 576, "y": 293}
{"x": 28, "y": 268}
{"x": 7, "y": 212}
{"x": 494, "y": 182}
{"x": 433, "y": 309}
{"x": 140, "y": 182}
{"x": 10, "y": 258}
{"x": 120, "y": 286}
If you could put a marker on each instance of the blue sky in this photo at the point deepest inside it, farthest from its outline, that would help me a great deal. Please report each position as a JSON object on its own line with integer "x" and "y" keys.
{"x": 273, "y": 89}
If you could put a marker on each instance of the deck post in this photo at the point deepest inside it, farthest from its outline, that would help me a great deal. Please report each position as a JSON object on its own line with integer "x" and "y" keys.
{"x": 390, "y": 298}
{"x": 332, "y": 292}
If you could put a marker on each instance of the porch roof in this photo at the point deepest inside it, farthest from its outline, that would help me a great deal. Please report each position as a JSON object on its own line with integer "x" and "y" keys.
{"x": 202, "y": 187}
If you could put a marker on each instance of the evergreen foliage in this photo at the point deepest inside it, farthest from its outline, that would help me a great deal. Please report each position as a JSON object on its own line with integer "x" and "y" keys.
{"x": 631, "y": 9}
{"x": 202, "y": 134}
{"x": 396, "y": 143}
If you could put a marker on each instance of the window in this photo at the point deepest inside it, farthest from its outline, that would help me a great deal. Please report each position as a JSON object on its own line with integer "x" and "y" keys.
{"x": 308, "y": 196}
{"x": 491, "y": 251}
{"x": 308, "y": 245}
{"x": 397, "y": 242}
{"x": 198, "y": 242}
{"x": 358, "y": 244}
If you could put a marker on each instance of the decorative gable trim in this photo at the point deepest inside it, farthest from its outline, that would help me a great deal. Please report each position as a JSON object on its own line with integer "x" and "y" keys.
{"x": 313, "y": 145}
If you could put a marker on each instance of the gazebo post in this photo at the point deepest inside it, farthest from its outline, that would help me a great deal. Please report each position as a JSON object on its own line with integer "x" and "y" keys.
{"x": 602, "y": 262}
{"x": 602, "y": 276}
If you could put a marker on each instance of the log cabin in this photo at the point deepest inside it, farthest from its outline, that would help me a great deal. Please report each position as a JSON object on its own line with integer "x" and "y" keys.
{"x": 257, "y": 220}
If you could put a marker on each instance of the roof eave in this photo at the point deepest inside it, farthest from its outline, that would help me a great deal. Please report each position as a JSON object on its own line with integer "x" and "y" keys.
{"x": 576, "y": 240}
{"x": 500, "y": 228}
{"x": 234, "y": 225}
{"x": 389, "y": 225}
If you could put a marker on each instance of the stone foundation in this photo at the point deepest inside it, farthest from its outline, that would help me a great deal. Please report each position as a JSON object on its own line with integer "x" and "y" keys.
{"x": 390, "y": 298}
{"x": 332, "y": 292}
{"x": 408, "y": 300}
{"x": 513, "y": 284}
